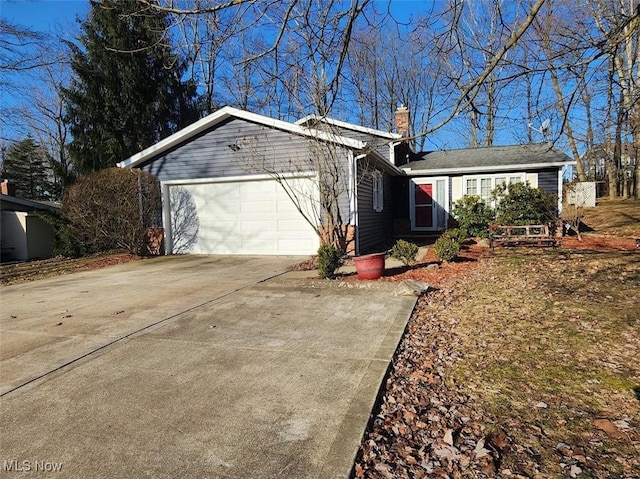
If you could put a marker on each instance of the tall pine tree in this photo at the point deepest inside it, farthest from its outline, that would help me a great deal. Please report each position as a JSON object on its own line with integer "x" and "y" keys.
{"x": 28, "y": 166}
{"x": 127, "y": 92}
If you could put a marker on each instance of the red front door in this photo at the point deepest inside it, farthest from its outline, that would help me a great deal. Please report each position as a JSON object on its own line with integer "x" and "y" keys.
{"x": 423, "y": 204}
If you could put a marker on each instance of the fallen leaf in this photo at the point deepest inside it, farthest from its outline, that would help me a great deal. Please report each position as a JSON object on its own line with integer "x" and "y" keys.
{"x": 608, "y": 427}
{"x": 500, "y": 440}
{"x": 574, "y": 471}
{"x": 480, "y": 451}
{"x": 448, "y": 437}
{"x": 447, "y": 452}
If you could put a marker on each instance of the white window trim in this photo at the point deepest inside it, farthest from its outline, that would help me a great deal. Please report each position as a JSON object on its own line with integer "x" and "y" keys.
{"x": 493, "y": 176}
{"x": 377, "y": 179}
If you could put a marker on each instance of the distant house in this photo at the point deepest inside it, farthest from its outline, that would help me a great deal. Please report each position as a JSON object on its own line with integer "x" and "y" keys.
{"x": 214, "y": 202}
{"x": 23, "y": 233}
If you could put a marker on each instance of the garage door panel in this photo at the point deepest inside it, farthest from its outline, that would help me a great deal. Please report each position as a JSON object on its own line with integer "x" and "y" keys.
{"x": 291, "y": 227}
{"x": 258, "y": 227}
{"x": 257, "y": 208}
{"x": 245, "y": 217}
{"x": 222, "y": 191}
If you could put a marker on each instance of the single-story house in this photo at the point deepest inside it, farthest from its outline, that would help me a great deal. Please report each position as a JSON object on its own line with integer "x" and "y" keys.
{"x": 24, "y": 235}
{"x": 236, "y": 182}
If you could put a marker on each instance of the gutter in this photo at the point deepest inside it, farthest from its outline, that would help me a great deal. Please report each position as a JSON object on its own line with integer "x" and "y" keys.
{"x": 483, "y": 169}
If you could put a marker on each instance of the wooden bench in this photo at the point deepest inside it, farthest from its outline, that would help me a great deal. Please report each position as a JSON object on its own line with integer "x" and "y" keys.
{"x": 525, "y": 235}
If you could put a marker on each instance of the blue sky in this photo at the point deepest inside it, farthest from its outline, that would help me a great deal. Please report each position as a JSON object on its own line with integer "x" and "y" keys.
{"x": 42, "y": 15}
{"x": 60, "y": 15}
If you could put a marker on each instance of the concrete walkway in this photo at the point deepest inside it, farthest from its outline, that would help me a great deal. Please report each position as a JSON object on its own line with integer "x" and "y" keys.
{"x": 244, "y": 379}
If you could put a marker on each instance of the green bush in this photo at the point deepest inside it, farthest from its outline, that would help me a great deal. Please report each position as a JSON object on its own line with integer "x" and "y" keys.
{"x": 448, "y": 245}
{"x": 520, "y": 204}
{"x": 329, "y": 260}
{"x": 473, "y": 215}
{"x": 459, "y": 234}
{"x": 65, "y": 243}
{"x": 405, "y": 251}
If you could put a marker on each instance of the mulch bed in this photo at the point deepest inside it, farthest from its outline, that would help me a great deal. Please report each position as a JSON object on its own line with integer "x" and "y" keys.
{"x": 602, "y": 243}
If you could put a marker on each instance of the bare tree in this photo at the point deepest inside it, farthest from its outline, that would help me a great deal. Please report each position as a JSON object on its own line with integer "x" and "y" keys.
{"x": 380, "y": 81}
{"x": 44, "y": 117}
{"x": 320, "y": 181}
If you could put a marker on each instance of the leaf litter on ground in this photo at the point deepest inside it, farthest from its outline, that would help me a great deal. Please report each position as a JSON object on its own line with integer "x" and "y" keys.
{"x": 525, "y": 366}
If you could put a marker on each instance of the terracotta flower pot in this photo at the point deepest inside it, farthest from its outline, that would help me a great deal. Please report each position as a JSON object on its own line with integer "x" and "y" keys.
{"x": 370, "y": 266}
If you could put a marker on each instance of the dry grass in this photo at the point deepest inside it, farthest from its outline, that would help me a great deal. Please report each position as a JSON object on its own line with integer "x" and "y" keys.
{"x": 15, "y": 273}
{"x": 536, "y": 347}
{"x": 619, "y": 217}
{"x": 550, "y": 344}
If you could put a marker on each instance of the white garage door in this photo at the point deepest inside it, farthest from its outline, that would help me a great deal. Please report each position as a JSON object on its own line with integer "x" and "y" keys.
{"x": 240, "y": 217}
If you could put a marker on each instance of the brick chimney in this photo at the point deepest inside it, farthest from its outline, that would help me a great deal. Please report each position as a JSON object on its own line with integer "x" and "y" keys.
{"x": 7, "y": 188}
{"x": 402, "y": 121}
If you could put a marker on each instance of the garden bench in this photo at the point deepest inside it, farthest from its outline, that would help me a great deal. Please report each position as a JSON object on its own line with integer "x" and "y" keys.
{"x": 516, "y": 235}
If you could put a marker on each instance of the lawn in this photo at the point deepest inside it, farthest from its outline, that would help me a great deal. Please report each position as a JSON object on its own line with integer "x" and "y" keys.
{"x": 15, "y": 273}
{"x": 525, "y": 365}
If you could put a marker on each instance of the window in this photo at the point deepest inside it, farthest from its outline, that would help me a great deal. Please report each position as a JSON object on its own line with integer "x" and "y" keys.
{"x": 483, "y": 185}
{"x": 378, "y": 190}
{"x": 472, "y": 186}
{"x": 486, "y": 186}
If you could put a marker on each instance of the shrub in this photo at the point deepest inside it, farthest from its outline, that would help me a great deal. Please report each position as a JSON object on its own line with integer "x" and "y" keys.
{"x": 329, "y": 260}
{"x": 520, "y": 204}
{"x": 448, "y": 245}
{"x": 65, "y": 243}
{"x": 405, "y": 251}
{"x": 112, "y": 209}
{"x": 459, "y": 234}
{"x": 473, "y": 215}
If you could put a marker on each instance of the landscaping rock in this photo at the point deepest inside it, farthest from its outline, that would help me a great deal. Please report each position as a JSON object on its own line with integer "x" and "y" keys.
{"x": 411, "y": 287}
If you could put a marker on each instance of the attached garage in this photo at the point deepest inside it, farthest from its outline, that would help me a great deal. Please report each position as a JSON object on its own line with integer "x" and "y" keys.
{"x": 237, "y": 216}
{"x": 219, "y": 195}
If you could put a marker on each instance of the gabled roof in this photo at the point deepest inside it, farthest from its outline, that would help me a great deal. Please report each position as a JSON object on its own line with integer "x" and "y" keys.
{"x": 224, "y": 114}
{"x": 348, "y": 126}
{"x": 496, "y": 158}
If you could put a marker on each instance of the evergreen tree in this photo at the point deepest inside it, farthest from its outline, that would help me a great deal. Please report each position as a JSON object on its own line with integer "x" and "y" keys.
{"x": 127, "y": 92}
{"x": 28, "y": 166}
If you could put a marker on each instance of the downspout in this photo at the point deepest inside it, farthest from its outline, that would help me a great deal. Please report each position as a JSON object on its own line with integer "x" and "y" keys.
{"x": 560, "y": 192}
{"x": 392, "y": 155}
{"x": 353, "y": 182}
{"x": 166, "y": 218}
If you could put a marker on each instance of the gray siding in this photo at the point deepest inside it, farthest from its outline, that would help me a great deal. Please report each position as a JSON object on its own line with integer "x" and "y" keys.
{"x": 548, "y": 180}
{"x": 235, "y": 148}
{"x": 374, "y": 228}
{"x": 240, "y": 148}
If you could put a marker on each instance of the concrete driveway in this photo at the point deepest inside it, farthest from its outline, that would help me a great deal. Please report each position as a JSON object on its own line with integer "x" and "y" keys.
{"x": 192, "y": 367}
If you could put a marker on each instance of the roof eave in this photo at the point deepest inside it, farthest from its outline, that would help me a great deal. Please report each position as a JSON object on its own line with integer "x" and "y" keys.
{"x": 221, "y": 115}
{"x": 484, "y": 169}
{"x": 350, "y": 126}
{"x": 382, "y": 162}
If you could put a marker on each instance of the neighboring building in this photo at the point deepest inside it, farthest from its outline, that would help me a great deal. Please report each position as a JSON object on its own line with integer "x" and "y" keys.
{"x": 220, "y": 195}
{"x": 23, "y": 233}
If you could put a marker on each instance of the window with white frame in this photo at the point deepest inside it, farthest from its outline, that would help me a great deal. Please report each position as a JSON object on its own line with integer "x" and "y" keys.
{"x": 378, "y": 190}
{"x": 483, "y": 185}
